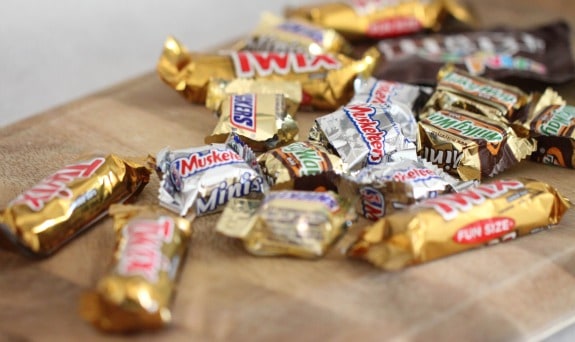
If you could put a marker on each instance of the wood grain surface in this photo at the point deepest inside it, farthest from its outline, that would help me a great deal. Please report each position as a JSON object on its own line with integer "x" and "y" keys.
{"x": 513, "y": 291}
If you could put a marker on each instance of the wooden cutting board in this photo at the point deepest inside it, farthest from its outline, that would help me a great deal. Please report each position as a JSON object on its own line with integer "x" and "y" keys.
{"x": 520, "y": 289}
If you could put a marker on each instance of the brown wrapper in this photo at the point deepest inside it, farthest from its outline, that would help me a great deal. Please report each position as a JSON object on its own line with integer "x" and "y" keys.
{"x": 469, "y": 145}
{"x": 475, "y": 94}
{"x": 296, "y": 223}
{"x": 300, "y": 166}
{"x": 137, "y": 291}
{"x": 260, "y": 119}
{"x": 45, "y": 217}
{"x": 277, "y": 34}
{"x": 357, "y": 19}
{"x": 218, "y": 90}
{"x": 326, "y": 79}
{"x": 481, "y": 216}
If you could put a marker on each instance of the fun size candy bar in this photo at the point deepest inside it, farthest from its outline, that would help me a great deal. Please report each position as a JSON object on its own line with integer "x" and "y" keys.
{"x": 435, "y": 228}
{"x": 326, "y": 79}
{"x": 296, "y": 223}
{"x": 260, "y": 119}
{"x": 367, "y": 134}
{"x": 137, "y": 291}
{"x": 51, "y": 213}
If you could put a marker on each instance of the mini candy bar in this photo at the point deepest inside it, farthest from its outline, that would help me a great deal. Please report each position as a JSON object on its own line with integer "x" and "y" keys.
{"x": 290, "y": 167}
{"x": 553, "y": 126}
{"x": 137, "y": 291}
{"x": 514, "y": 56}
{"x": 51, "y": 213}
{"x": 410, "y": 97}
{"x": 485, "y": 215}
{"x": 296, "y": 223}
{"x": 276, "y": 34}
{"x": 207, "y": 177}
{"x": 469, "y": 145}
{"x": 383, "y": 189}
{"x": 326, "y": 79}
{"x": 367, "y": 134}
{"x": 459, "y": 89}
{"x": 260, "y": 119}
{"x": 218, "y": 90}
{"x": 358, "y": 19}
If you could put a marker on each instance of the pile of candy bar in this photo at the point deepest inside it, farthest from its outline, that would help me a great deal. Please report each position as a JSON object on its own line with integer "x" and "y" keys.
{"x": 419, "y": 119}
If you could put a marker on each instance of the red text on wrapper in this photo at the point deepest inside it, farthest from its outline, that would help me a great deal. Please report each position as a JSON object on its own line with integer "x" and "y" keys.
{"x": 201, "y": 161}
{"x": 251, "y": 64}
{"x": 449, "y": 206}
{"x": 361, "y": 116}
{"x": 484, "y": 230}
{"x": 142, "y": 253}
{"x": 372, "y": 203}
{"x": 56, "y": 185}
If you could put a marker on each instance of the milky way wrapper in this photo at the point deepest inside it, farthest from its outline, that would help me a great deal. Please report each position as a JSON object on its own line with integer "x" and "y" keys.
{"x": 260, "y": 119}
{"x": 303, "y": 165}
{"x": 326, "y": 79}
{"x": 475, "y": 94}
{"x": 522, "y": 57}
{"x": 470, "y": 145}
{"x": 203, "y": 179}
{"x": 296, "y": 223}
{"x": 357, "y": 19}
{"x": 554, "y": 130}
{"x": 277, "y": 34}
{"x": 367, "y": 134}
{"x": 137, "y": 291}
{"x": 384, "y": 189}
{"x": 218, "y": 90}
{"x": 61, "y": 206}
{"x": 435, "y": 228}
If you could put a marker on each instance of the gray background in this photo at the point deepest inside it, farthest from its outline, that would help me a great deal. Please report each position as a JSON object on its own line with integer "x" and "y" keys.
{"x": 56, "y": 51}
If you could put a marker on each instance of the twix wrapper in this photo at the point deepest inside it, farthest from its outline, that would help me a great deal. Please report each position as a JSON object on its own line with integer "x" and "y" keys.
{"x": 137, "y": 291}
{"x": 358, "y": 19}
{"x": 51, "y": 213}
{"x": 260, "y": 119}
{"x": 295, "y": 223}
{"x": 475, "y": 94}
{"x": 302, "y": 165}
{"x": 485, "y": 215}
{"x": 293, "y": 35}
{"x": 470, "y": 145}
{"x": 326, "y": 79}
{"x": 218, "y": 90}
{"x": 552, "y": 124}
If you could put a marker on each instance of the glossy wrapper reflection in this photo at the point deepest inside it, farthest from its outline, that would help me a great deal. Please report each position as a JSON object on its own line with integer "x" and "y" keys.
{"x": 296, "y": 223}
{"x": 137, "y": 291}
{"x": 326, "y": 79}
{"x": 435, "y": 228}
{"x": 45, "y": 217}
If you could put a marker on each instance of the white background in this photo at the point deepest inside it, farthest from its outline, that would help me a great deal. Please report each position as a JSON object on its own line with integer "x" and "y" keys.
{"x": 52, "y": 52}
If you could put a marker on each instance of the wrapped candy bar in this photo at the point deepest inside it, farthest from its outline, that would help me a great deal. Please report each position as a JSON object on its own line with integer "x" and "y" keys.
{"x": 137, "y": 291}
{"x": 296, "y": 223}
{"x": 326, "y": 79}
{"x": 61, "y": 206}
{"x": 260, "y": 119}
{"x": 453, "y": 223}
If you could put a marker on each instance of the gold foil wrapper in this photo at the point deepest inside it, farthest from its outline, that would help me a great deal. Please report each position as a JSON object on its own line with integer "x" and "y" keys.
{"x": 485, "y": 215}
{"x": 260, "y": 119}
{"x": 459, "y": 89}
{"x": 45, "y": 217}
{"x": 301, "y": 165}
{"x": 357, "y": 19}
{"x": 137, "y": 291}
{"x": 293, "y": 35}
{"x": 218, "y": 90}
{"x": 326, "y": 79}
{"x": 296, "y": 223}
{"x": 469, "y": 145}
